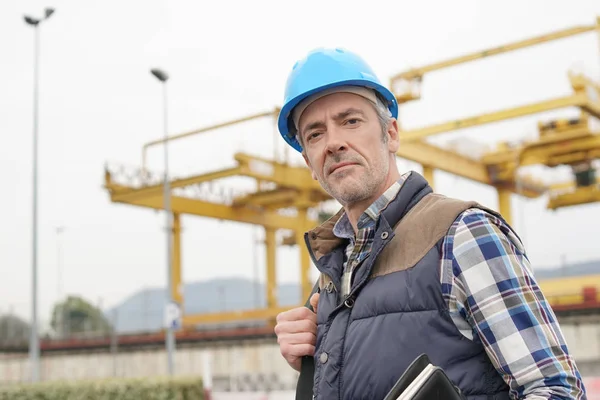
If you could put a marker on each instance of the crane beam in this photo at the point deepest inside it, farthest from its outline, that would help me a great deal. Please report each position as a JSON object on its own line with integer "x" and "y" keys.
{"x": 131, "y": 193}
{"x": 444, "y": 160}
{"x": 451, "y": 162}
{"x": 281, "y": 198}
{"x": 260, "y": 314}
{"x": 206, "y": 129}
{"x": 268, "y": 198}
{"x": 536, "y": 153}
{"x": 567, "y": 186}
{"x": 574, "y": 148}
{"x": 417, "y": 72}
{"x": 566, "y": 152}
{"x": 511, "y": 154}
{"x": 582, "y": 195}
{"x": 183, "y": 205}
{"x": 575, "y": 100}
{"x": 299, "y": 178}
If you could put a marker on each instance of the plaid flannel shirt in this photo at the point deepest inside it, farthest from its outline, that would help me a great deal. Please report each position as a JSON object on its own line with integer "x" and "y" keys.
{"x": 360, "y": 245}
{"x": 493, "y": 298}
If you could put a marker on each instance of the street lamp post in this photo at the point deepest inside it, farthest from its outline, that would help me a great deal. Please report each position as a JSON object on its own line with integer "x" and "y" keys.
{"x": 170, "y": 337}
{"x": 62, "y": 320}
{"x": 34, "y": 345}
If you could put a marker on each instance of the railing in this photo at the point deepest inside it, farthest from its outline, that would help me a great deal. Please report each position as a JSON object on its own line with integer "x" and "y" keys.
{"x": 134, "y": 177}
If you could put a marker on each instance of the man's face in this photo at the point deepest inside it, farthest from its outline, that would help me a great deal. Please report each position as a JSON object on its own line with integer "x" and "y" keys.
{"x": 345, "y": 146}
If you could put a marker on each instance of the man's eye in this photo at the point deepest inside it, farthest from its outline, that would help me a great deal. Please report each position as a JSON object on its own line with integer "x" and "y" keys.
{"x": 313, "y": 135}
{"x": 353, "y": 121}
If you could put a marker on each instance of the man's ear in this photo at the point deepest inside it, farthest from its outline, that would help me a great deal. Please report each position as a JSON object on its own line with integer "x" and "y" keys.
{"x": 312, "y": 172}
{"x": 393, "y": 136}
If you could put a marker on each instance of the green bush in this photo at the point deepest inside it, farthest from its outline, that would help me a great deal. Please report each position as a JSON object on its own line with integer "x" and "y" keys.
{"x": 112, "y": 389}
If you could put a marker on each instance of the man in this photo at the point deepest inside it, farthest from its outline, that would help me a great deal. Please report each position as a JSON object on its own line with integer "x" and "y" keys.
{"x": 404, "y": 271}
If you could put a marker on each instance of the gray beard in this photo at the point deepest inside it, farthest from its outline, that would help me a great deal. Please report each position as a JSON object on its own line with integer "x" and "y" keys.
{"x": 360, "y": 192}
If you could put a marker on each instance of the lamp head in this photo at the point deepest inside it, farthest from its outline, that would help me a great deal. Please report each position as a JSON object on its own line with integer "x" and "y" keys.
{"x": 31, "y": 21}
{"x": 48, "y": 11}
{"x": 159, "y": 74}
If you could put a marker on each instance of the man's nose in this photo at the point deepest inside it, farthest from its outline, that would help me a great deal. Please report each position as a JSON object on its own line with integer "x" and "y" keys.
{"x": 335, "y": 140}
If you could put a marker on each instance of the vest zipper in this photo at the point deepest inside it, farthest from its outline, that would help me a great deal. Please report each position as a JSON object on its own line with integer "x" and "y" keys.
{"x": 349, "y": 306}
{"x": 343, "y": 304}
{"x": 312, "y": 257}
{"x": 330, "y": 287}
{"x": 342, "y": 355}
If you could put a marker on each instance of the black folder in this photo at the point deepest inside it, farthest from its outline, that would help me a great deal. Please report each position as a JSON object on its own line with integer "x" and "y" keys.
{"x": 423, "y": 380}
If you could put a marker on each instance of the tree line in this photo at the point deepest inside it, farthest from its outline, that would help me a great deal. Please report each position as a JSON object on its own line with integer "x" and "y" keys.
{"x": 74, "y": 316}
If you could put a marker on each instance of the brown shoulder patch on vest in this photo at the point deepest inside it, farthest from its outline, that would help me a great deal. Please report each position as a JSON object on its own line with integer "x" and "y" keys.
{"x": 420, "y": 229}
{"x": 321, "y": 239}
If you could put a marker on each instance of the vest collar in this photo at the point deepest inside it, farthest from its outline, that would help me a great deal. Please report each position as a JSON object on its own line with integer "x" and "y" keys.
{"x": 321, "y": 240}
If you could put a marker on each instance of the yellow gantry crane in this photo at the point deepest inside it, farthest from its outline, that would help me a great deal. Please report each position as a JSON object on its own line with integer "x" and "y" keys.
{"x": 571, "y": 143}
{"x": 280, "y": 186}
{"x": 407, "y": 85}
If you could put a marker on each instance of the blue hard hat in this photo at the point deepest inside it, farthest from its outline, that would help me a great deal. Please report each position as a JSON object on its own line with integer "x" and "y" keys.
{"x": 322, "y": 69}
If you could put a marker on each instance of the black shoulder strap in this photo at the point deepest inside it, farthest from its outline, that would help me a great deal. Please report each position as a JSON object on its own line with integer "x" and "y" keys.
{"x": 304, "y": 388}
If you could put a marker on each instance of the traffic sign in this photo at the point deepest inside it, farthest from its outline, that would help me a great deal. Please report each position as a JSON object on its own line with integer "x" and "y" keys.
{"x": 172, "y": 316}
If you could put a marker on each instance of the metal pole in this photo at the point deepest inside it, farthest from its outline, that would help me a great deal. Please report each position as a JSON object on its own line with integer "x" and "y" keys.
{"x": 59, "y": 287}
{"x": 256, "y": 281}
{"x": 170, "y": 335}
{"x": 114, "y": 340}
{"x": 170, "y": 339}
{"x": 34, "y": 346}
{"x": 59, "y": 261}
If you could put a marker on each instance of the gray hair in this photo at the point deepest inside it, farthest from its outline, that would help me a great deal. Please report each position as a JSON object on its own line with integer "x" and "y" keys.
{"x": 384, "y": 116}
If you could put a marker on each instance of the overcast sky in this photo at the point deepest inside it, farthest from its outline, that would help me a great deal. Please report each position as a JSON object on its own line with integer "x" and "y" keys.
{"x": 99, "y": 104}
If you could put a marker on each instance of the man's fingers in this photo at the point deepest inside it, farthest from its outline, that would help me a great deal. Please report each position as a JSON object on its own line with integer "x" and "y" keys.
{"x": 305, "y": 325}
{"x": 295, "y": 314}
{"x": 297, "y": 338}
{"x": 296, "y": 331}
{"x": 314, "y": 301}
{"x": 293, "y": 351}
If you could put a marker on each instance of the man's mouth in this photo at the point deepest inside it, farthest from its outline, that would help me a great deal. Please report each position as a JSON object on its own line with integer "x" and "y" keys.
{"x": 337, "y": 166}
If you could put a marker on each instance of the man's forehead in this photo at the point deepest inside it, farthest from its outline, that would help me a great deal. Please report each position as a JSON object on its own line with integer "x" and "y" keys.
{"x": 332, "y": 105}
{"x": 361, "y": 91}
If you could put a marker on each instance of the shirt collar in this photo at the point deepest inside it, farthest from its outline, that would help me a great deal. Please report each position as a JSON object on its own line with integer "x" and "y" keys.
{"x": 343, "y": 229}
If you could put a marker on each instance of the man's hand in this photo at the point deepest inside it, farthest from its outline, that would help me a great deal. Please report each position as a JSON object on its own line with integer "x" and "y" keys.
{"x": 296, "y": 332}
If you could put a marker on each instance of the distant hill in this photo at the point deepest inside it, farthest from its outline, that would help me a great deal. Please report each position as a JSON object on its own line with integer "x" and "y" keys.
{"x": 584, "y": 268}
{"x": 143, "y": 311}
